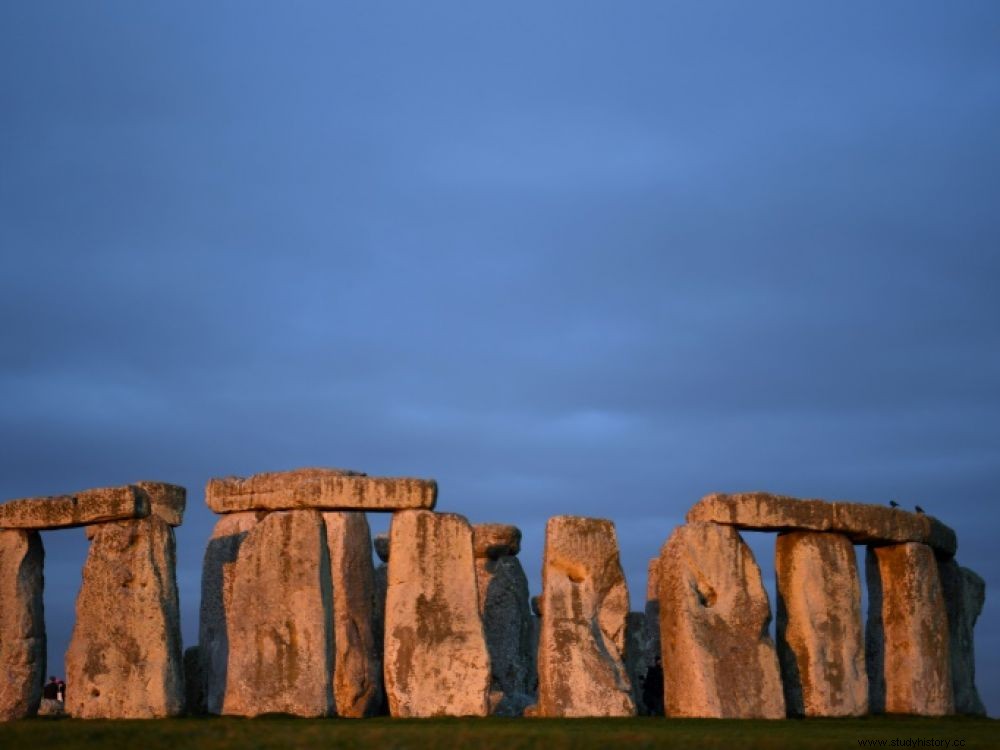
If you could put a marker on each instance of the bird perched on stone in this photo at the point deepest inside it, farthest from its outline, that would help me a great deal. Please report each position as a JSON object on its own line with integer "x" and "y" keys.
{"x": 893, "y": 504}
{"x": 919, "y": 509}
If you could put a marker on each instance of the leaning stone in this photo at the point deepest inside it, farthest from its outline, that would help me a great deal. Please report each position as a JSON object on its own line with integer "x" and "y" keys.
{"x": 964, "y": 596}
{"x": 861, "y": 523}
{"x": 436, "y": 662}
{"x": 165, "y": 500}
{"x": 585, "y": 604}
{"x": 22, "y": 623}
{"x": 321, "y": 489}
{"x": 382, "y": 546}
{"x": 718, "y": 661}
{"x": 494, "y": 540}
{"x": 194, "y": 683}
{"x": 124, "y": 659}
{"x": 507, "y": 624}
{"x": 68, "y": 511}
{"x": 907, "y": 633}
{"x": 357, "y": 676}
{"x": 279, "y": 620}
{"x": 216, "y": 595}
{"x": 820, "y": 642}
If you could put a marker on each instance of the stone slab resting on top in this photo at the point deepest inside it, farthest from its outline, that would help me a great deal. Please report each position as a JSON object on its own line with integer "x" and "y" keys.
{"x": 861, "y": 523}
{"x": 67, "y": 511}
{"x": 322, "y": 489}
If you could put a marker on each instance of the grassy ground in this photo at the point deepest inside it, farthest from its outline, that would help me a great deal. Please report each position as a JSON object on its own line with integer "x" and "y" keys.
{"x": 484, "y": 734}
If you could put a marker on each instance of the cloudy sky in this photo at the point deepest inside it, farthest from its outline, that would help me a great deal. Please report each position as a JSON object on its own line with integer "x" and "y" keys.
{"x": 587, "y": 258}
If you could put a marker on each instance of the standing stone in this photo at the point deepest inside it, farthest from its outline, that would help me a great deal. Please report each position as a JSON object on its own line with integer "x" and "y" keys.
{"x": 652, "y": 683}
{"x": 436, "y": 662}
{"x": 907, "y": 635}
{"x": 507, "y": 620}
{"x": 584, "y": 607}
{"x": 22, "y": 624}
{"x": 279, "y": 619}
{"x": 964, "y": 596}
{"x": 642, "y": 660}
{"x": 213, "y": 638}
{"x": 124, "y": 659}
{"x": 820, "y": 644}
{"x": 718, "y": 660}
{"x": 194, "y": 683}
{"x": 381, "y": 586}
{"x": 357, "y": 676}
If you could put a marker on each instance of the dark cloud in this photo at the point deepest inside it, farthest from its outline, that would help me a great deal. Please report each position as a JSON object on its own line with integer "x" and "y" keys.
{"x": 564, "y": 259}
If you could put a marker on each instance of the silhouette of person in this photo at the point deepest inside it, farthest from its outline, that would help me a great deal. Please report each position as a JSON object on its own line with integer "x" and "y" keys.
{"x": 51, "y": 690}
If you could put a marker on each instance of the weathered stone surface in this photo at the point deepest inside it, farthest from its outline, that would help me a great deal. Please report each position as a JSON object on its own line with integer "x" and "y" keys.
{"x": 718, "y": 661}
{"x": 22, "y": 623}
{"x": 124, "y": 659}
{"x": 216, "y": 594}
{"x": 907, "y": 634}
{"x": 861, "y": 523}
{"x": 820, "y": 644}
{"x": 67, "y": 511}
{"x": 378, "y": 625}
{"x": 651, "y": 687}
{"x": 323, "y": 489}
{"x": 279, "y": 619}
{"x": 581, "y": 671}
{"x": 382, "y": 546}
{"x": 165, "y": 500}
{"x": 194, "y": 683}
{"x": 436, "y": 662}
{"x": 642, "y": 662}
{"x": 495, "y": 540}
{"x": 964, "y": 597}
{"x": 507, "y": 624}
{"x": 357, "y": 676}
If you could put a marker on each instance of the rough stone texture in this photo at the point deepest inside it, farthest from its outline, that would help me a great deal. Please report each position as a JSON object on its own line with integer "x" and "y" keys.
{"x": 718, "y": 661}
{"x": 436, "y": 661}
{"x": 22, "y": 623}
{"x": 964, "y": 596}
{"x": 216, "y": 594}
{"x": 357, "y": 676}
{"x": 495, "y": 540}
{"x": 124, "y": 659}
{"x": 378, "y": 624}
{"x": 382, "y": 546}
{"x": 820, "y": 641}
{"x": 194, "y": 683}
{"x": 279, "y": 619}
{"x": 907, "y": 635}
{"x": 323, "y": 489}
{"x": 507, "y": 624}
{"x": 652, "y": 682}
{"x": 642, "y": 662}
{"x": 862, "y": 524}
{"x": 584, "y": 604}
{"x": 67, "y": 511}
{"x": 165, "y": 500}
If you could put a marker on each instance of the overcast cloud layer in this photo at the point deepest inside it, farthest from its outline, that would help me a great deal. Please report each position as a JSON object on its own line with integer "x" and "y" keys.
{"x": 598, "y": 259}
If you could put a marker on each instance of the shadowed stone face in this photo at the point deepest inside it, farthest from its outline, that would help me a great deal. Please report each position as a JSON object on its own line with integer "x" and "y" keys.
{"x": 718, "y": 661}
{"x": 124, "y": 660}
{"x": 507, "y": 620}
{"x": 22, "y": 624}
{"x": 436, "y": 662}
{"x": 964, "y": 596}
{"x": 584, "y": 608}
{"x": 907, "y": 633}
{"x": 357, "y": 678}
{"x": 323, "y": 489}
{"x": 820, "y": 644}
{"x": 279, "y": 619}
{"x": 216, "y": 588}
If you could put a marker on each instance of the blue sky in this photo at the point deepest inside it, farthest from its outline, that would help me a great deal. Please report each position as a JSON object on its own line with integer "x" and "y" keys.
{"x": 584, "y": 258}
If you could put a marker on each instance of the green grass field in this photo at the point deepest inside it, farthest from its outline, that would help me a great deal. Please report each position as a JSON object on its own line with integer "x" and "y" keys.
{"x": 502, "y": 734}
